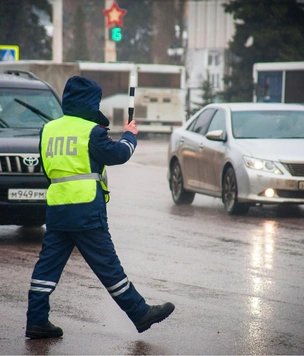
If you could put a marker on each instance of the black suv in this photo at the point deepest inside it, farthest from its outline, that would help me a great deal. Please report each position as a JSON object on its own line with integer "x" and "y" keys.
{"x": 26, "y": 104}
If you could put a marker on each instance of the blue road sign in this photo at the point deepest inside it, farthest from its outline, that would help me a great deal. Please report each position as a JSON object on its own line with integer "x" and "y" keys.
{"x": 9, "y": 53}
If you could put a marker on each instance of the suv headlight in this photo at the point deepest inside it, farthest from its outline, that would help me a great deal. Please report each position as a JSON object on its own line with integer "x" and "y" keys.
{"x": 261, "y": 165}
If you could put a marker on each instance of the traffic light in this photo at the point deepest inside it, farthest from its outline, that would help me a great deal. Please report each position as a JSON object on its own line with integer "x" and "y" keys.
{"x": 116, "y": 34}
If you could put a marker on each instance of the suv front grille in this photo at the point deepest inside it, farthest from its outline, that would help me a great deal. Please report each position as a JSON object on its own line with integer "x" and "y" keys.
{"x": 16, "y": 163}
{"x": 295, "y": 169}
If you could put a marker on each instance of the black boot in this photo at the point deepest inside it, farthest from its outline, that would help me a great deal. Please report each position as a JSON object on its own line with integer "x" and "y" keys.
{"x": 47, "y": 330}
{"x": 155, "y": 314}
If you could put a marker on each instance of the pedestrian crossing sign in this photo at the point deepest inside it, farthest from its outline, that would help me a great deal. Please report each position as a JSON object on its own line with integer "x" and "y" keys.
{"x": 9, "y": 53}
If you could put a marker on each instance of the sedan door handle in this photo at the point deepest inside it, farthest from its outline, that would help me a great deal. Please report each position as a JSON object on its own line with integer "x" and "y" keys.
{"x": 182, "y": 140}
{"x": 201, "y": 145}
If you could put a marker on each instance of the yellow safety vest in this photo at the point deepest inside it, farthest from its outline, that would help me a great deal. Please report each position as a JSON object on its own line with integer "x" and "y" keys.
{"x": 66, "y": 162}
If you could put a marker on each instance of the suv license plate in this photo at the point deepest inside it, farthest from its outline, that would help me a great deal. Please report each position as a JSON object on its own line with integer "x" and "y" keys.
{"x": 301, "y": 185}
{"x": 27, "y": 194}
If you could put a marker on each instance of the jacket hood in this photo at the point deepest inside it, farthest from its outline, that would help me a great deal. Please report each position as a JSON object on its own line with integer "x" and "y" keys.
{"x": 81, "y": 97}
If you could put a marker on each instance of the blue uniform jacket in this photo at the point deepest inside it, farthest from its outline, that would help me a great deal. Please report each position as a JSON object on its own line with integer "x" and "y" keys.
{"x": 102, "y": 151}
{"x": 81, "y": 97}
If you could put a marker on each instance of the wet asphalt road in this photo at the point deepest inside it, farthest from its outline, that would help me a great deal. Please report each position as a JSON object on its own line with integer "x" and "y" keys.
{"x": 237, "y": 282}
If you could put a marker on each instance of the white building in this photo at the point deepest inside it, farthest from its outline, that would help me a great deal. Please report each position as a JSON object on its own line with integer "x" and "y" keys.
{"x": 209, "y": 31}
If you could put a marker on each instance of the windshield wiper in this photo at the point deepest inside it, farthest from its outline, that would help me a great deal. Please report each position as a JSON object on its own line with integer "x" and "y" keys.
{"x": 35, "y": 110}
{"x": 3, "y": 123}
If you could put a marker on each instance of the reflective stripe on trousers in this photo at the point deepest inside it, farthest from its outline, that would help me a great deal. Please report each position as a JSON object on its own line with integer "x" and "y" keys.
{"x": 98, "y": 250}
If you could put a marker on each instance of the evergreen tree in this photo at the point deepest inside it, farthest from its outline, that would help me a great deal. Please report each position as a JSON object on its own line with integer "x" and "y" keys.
{"x": 207, "y": 94}
{"x": 79, "y": 50}
{"x": 276, "y": 28}
{"x": 20, "y": 25}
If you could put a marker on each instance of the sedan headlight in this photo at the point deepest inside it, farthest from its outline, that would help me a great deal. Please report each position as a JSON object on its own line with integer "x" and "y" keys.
{"x": 261, "y": 165}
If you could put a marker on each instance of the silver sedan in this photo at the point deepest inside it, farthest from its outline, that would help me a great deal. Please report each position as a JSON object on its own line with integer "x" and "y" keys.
{"x": 243, "y": 153}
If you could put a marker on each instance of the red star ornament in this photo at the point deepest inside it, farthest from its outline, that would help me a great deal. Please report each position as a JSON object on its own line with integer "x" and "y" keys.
{"x": 114, "y": 15}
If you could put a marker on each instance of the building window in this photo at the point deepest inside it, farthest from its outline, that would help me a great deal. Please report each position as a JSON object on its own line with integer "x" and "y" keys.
{"x": 209, "y": 60}
{"x": 213, "y": 59}
{"x": 215, "y": 80}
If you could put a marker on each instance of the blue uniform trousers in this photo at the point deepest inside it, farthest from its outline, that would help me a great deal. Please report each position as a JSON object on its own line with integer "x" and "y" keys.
{"x": 97, "y": 248}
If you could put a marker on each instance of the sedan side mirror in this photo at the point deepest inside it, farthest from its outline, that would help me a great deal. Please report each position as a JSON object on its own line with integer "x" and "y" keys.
{"x": 217, "y": 135}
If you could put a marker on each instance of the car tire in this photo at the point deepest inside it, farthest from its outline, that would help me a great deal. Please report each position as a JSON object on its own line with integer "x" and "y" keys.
{"x": 230, "y": 194}
{"x": 179, "y": 194}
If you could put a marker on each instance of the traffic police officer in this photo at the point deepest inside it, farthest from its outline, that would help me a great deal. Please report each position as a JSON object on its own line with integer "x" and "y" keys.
{"x": 75, "y": 149}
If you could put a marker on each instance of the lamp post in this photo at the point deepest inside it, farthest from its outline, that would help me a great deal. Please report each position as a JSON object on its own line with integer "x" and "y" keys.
{"x": 176, "y": 52}
{"x": 57, "y": 32}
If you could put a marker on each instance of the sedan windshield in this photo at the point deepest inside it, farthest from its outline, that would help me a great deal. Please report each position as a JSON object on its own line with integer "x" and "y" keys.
{"x": 268, "y": 124}
{"x": 27, "y": 108}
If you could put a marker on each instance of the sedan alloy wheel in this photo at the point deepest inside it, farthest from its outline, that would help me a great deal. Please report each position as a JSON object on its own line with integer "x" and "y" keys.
{"x": 179, "y": 194}
{"x": 230, "y": 195}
